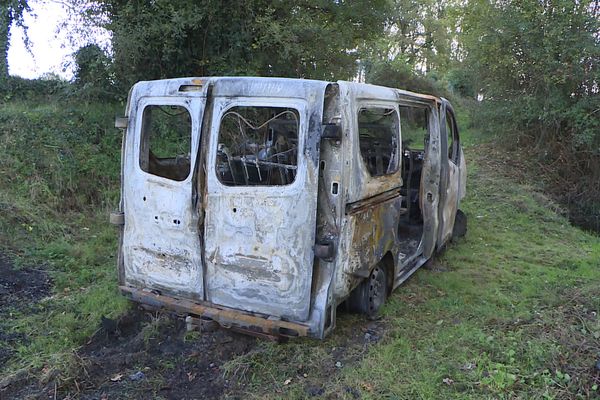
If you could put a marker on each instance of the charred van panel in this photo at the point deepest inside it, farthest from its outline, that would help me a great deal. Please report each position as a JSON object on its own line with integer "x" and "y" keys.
{"x": 283, "y": 201}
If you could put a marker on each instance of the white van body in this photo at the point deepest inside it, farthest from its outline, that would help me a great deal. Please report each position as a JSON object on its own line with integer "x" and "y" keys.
{"x": 274, "y": 200}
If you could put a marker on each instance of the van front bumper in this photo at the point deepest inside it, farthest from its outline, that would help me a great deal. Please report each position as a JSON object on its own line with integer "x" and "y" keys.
{"x": 251, "y": 323}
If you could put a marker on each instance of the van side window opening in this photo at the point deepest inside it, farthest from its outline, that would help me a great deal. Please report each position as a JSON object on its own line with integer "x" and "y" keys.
{"x": 165, "y": 141}
{"x": 452, "y": 144}
{"x": 413, "y": 127}
{"x": 414, "y": 130}
{"x": 258, "y": 146}
{"x": 378, "y": 130}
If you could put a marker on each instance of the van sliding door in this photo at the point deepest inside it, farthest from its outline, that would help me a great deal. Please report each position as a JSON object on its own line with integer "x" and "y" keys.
{"x": 450, "y": 175}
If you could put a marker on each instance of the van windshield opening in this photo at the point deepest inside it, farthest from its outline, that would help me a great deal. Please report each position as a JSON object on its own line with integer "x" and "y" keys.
{"x": 258, "y": 146}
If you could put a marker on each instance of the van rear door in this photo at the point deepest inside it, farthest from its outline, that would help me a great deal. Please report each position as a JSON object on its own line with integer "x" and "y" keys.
{"x": 260, "y": 206}
{"x": 161, "y": 242}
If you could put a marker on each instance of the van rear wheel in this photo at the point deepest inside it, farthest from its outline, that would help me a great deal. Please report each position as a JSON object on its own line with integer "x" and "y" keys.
{"x": 370, "y": 295}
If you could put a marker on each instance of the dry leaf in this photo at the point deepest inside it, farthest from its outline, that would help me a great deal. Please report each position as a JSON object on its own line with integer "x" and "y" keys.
{"x": 116, "y": 378}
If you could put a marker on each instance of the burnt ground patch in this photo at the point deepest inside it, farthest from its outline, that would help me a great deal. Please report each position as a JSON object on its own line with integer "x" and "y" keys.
{"x": 21, "y": 287}
{"x": 20, "y": 290}
{"x": 149, "y": 355}
{"x": 146, "y": 355}
{"x": 139, "y": 356}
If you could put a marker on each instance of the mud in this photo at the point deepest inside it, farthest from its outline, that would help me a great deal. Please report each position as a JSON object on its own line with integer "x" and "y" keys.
{"x": 151, "y": 355}
{"x": 20, "y": 290}
{"x": 142, "y": 355}
{"x": 21, "y": 287}
{"x": 146, "y": 355}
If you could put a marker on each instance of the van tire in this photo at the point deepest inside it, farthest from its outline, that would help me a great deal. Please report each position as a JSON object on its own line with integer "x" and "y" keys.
{"x": 460, "y": 225}
{"x": 370, "y": 295}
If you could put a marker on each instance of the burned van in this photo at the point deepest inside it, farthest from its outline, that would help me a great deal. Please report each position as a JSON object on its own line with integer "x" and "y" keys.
{"x": 265, "y": 203}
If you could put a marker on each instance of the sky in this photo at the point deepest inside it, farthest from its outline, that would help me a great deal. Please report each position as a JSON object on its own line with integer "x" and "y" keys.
{"x": 50, "y": 49}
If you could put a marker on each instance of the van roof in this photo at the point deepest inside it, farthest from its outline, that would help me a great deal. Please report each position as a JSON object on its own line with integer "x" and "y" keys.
{"x": 246, "y": 86}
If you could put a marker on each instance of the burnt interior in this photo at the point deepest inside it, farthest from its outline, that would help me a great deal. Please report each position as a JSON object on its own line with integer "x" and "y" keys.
{"x": 378, "y": 137}
{"x": 415, "y": 138}
{"x": 258, "y": 146}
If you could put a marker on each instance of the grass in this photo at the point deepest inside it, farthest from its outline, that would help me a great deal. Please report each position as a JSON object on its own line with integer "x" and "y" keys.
{"x": 58, "y": 181}
{"x": 510, "y": 311}
{"x": 514, "y": 314}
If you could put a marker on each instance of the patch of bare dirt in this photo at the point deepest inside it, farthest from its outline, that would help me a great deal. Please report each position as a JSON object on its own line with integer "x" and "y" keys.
{"x": 20, "y": 289}
{"x": 140, "y": 356}
{"x": 150, "y": 355}
{"x": 146, "y": 355}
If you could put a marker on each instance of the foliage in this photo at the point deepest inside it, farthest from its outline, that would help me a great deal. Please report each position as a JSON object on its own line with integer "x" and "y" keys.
{"x": 538, "y": 70}
{"x": 313, "y": 39}
{"x": 59, "y": 176}
{"x": 16, "y": 88}
{"x": 11, "y": 11}
{"x": 400, "y": 75}
{"x": 419, "y": 34}
{"x": 92, "y": 72}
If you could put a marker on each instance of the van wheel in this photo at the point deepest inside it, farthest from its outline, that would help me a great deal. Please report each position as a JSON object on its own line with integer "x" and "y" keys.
{"x": 370, "y": 295}
{"x": 460, "y": 225}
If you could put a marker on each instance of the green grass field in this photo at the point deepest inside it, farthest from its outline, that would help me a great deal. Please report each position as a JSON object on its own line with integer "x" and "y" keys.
{"x": 509, "y": 311}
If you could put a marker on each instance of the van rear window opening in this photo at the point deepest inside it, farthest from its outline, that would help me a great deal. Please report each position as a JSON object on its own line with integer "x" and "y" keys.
{"x": 165, "y": 141}
{"x": 258, "y": 146}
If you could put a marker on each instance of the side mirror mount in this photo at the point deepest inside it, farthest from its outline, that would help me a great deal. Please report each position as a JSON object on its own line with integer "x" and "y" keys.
{"x": 332, "y": 132}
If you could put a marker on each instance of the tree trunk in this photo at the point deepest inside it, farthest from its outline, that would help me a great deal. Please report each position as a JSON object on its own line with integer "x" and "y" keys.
{"x": 5, "y": 22}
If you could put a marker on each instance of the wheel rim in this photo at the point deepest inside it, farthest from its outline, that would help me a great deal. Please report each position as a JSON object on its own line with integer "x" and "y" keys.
{"x": 376, "y": 290}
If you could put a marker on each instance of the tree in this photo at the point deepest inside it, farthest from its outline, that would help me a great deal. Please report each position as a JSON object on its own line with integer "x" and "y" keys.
{"x": 536, "y": 63}
{"x": 168, "y": 38}
{"x": 92, "y": 72}
{"x": 11, "y": 11}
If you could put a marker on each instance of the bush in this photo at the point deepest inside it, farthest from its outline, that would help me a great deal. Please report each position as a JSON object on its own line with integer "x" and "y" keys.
{"x": 397, "y": 74}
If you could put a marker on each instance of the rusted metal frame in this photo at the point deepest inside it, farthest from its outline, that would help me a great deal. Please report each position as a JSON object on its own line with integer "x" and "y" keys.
{"x": 199, "y": 180}
{"x": 226, "y": 317}
{"x": 361, "y": 205}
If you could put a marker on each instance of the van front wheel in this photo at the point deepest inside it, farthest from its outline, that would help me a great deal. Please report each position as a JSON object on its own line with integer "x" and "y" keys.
{"x": 370, "y": 295}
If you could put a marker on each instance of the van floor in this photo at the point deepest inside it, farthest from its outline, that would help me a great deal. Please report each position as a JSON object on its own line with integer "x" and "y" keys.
{"x": 410, "y": 236}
